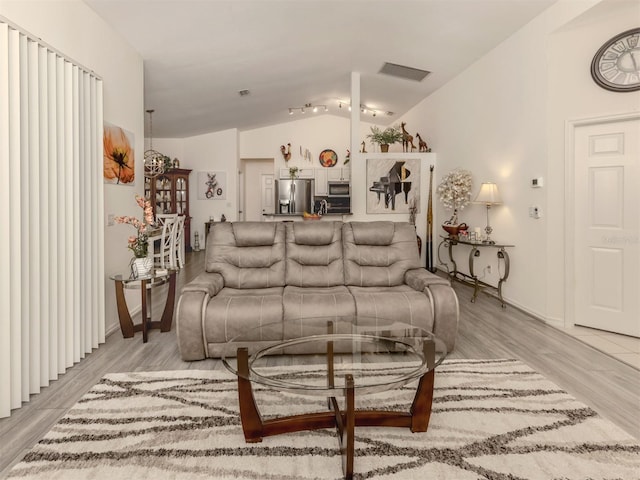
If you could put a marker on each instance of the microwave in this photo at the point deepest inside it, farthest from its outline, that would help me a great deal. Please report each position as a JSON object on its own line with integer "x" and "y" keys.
{"x": 339, "y": 189}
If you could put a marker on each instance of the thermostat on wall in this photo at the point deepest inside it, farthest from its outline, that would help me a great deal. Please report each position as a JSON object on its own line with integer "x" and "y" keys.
{"x": 537, "y": 182}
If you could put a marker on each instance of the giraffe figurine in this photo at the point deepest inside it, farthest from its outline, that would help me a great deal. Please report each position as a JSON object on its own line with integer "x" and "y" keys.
{"x": 422, "y": 145}
{"x": 406, "y": 139}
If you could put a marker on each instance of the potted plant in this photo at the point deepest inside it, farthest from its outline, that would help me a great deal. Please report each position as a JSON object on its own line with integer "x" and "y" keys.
{"x": 138, "y": 243}
{"x": 385, "y": 137}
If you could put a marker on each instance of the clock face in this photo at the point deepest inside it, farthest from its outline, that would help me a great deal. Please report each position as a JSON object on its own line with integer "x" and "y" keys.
{"x": 616, "y": 66}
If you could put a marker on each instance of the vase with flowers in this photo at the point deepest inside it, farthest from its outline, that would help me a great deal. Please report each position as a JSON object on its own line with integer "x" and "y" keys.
{"x": 141, "y": 264}
{"x": 455, "y": 193}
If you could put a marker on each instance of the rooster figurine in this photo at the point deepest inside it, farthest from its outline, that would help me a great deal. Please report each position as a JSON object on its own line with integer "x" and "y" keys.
{"x": 286, "y": 152}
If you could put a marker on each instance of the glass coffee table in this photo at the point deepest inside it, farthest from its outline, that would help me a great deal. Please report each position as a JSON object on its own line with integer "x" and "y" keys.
{"x": 349, "y": 347}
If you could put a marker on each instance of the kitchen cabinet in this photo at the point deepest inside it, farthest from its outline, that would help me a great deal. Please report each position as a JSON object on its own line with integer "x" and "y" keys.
{"x": 337, "y": 174}
{"x": 321, "y": 182}
{"x": 169, "y": 193}
{"x": 302, "y": 173}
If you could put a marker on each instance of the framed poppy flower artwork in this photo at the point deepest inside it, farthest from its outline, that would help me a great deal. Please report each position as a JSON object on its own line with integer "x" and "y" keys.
{"x": 119, "y": 156}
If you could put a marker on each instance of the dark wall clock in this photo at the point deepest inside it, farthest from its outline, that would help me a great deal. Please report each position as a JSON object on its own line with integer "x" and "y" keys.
{"x": 616, "y": 65}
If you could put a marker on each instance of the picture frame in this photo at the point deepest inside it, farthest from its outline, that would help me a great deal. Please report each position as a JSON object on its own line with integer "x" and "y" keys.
{"x": 118, "y": 159}
{"x": 212, "y": 185}
{"x": 392, "y": 185}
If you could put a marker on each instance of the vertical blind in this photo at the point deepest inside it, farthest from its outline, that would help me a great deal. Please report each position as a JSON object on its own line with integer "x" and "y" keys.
{"x": 51, "y": 216}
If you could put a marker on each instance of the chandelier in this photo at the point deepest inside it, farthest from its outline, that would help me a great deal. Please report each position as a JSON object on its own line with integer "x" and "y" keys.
{"x": 154, "y": 162}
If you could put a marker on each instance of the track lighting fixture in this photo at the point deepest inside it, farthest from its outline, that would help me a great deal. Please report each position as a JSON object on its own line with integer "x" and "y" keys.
{"x": 308, "y": 106}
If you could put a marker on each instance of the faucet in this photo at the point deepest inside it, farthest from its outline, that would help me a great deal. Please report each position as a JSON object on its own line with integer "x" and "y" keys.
{"x": 323, "y": 207}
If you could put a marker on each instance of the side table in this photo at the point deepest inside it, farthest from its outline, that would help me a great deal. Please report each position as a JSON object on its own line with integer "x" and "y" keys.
{"x": 146, "y": 285}
{"x": 472, "y": 279}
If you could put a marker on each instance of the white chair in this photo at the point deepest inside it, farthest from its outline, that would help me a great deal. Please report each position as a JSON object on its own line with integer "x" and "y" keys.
{"x": 165, "y": 257}
{"x": 161, "y": 217}
{"x": 179, "y": 242}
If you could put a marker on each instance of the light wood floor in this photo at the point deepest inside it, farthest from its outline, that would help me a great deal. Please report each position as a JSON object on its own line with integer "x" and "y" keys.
{"x": 607, "y": 385}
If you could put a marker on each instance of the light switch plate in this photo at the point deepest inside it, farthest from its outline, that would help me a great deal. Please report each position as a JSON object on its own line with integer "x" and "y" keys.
{"x": 537, "y": 182}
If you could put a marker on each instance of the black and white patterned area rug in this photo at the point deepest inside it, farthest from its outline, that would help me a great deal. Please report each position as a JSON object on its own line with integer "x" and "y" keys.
{"x": 493, "y": 419}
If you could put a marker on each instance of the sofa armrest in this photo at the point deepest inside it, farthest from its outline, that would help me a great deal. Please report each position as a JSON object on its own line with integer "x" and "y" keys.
{"x": 420, "y": 278}
{"x": 446, "y": 311}
{"x": 190, "y": 313}
{"x": 209, "y": 283}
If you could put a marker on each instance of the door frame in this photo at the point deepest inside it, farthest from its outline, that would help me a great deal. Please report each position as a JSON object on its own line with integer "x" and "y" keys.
{"x": 569, "y": 211}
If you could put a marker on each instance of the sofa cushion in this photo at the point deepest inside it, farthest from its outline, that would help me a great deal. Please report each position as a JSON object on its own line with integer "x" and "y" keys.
{"x": 314, "y": 254}
{"x": 378, "y": 253}
{"x": 247, "y": 254}
{"x": 372, "y": 233}
{"x": 233, "y": 312}
{"x": 254, "y": 234}
{"x": 393, "y": 304}
{"x": 314, "y": 305}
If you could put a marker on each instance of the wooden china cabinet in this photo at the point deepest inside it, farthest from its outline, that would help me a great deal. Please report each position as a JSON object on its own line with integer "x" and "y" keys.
{"x": 169, "y": 193}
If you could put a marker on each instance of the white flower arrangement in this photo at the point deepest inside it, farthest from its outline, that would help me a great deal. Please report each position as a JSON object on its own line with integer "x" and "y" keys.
{"x": 455, "y": 191}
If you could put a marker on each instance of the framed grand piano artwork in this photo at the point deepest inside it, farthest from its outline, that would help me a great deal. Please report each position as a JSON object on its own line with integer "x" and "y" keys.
{"x": 392, "y": 184}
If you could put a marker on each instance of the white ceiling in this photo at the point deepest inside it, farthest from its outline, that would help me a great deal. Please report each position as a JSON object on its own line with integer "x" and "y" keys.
{"x": 199, "y": 54}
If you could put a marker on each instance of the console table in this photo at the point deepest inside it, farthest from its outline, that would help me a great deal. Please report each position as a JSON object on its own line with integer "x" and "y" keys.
{"x": 472, "y": 278}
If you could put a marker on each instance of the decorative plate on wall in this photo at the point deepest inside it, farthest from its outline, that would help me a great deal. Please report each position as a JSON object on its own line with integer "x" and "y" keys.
{"x": 616, "y": 65}
{"x": 328, "y": 158}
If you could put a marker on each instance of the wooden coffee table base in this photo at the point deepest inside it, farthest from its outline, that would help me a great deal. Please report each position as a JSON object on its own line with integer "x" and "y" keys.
{"x": 345, "y": 421}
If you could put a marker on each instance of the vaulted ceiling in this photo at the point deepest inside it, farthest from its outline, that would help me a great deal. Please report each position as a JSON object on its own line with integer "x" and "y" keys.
{"x": 198, "y": 54}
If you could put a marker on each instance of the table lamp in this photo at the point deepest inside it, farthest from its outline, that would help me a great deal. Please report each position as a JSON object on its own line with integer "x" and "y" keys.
{"x": 488, "y": 195}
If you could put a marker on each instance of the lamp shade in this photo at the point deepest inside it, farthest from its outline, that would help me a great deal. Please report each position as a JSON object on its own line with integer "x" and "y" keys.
{"x": 489, "y": 194}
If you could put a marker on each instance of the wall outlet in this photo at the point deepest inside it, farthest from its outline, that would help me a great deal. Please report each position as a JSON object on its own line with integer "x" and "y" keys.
{"x": 111, "y": 220}
{"x": 535, "y": 212}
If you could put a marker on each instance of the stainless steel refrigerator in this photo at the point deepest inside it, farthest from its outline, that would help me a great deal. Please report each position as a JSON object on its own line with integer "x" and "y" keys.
{"x": 295, "y": 196}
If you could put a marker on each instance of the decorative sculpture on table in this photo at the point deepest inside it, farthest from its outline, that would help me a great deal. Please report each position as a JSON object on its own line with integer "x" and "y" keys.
{"x": 364, "y": 149}
{"x": 286, "y": 152}
{"x": 455, "y": 193}
{"x": 406, "y": 139}
{"x": 422, "y": 145}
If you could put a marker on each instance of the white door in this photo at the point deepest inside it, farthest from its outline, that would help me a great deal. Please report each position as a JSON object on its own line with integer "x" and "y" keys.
{"x": 267, "y": 193}
{"x": 607, "y": 226}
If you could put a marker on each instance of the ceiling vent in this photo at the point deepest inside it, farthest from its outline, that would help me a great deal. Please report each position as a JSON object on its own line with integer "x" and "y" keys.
{"x": 243, "y": 93}
{"x": 401, "y": 71}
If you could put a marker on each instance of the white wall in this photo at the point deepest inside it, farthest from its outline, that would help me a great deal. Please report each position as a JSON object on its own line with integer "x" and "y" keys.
{"x": 314, "y": 133}
{"x": 505, "y": 122}
{"x": 205, "y": 153}
{"x": 74, "y": 29}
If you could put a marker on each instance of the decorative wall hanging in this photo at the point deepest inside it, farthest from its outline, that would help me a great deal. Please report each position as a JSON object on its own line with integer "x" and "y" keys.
{"x": 286, "y": 152}
{"x": 392, "y": 184}
{"x": 212, "y": 185}
{"x": 328, "y": 158}
{"x": 118, "y": 156}
{"x": 616, "y": 65}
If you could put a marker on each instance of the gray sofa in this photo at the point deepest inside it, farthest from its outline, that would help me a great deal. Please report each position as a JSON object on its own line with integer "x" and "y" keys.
{"x": 258, "y": 273}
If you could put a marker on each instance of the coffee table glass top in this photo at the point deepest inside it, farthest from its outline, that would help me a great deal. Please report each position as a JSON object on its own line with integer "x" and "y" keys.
{"x": 360, "y": 346}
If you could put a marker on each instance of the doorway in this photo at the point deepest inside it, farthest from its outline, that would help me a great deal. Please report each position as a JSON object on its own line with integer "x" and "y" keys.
{"x": 256, "y": 172}
{"x": 606, "y": 224}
